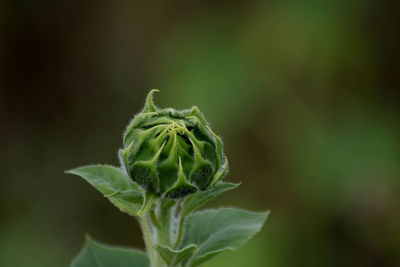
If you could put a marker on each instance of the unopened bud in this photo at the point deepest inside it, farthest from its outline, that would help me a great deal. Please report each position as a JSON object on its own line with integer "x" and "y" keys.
{"x": 172, "y": 153}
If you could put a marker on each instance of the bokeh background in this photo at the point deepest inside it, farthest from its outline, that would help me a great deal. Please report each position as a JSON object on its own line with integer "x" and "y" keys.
{"x": 304, "y": 93}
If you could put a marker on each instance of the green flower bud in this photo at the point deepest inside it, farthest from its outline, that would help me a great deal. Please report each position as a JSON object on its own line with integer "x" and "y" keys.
{"x": 172, "y": 153}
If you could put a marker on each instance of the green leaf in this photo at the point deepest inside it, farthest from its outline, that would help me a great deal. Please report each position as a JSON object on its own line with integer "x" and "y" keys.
{"x": 196, "y": 200}
{"x": 114, "y": 184}
{"x": 94, "y": 254}
{"x": 214, "y": 231}
{"x": 173, "y": 257}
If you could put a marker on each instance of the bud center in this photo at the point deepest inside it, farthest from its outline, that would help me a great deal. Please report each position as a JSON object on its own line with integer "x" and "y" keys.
{"x": 176, "y": 128}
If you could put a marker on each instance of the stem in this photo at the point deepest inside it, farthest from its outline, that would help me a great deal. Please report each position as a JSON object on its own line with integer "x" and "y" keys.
{"x": 180, "y": 232}
{"x": 165, "y": 212}
{"x": 155, "y": 259}
{"x": 181, "y": 224}
{"x": 157, "y": 227}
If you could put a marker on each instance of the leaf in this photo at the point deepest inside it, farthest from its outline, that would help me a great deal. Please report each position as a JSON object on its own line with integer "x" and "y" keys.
{"x": 214, "y": 231}
{"x": 94, "y": 254}
{"x": 196, "y": 200}
{"x": 128, "y": 201}
{"x": 173, "y": 257}
{"x": 114, "y": 184}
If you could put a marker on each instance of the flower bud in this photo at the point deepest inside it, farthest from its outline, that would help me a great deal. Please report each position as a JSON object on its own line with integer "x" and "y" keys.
{"x": 172, "y": 153}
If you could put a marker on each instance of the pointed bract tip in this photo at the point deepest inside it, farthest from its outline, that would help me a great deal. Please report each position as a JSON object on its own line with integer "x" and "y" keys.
{"x": 88, "y": 237}
{"x": 195, "y": 111}
{"x": 149, "y": 105}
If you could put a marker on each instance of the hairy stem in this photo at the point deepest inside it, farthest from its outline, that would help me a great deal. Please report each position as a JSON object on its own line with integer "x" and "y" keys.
{"x": 180, "y": 232}
{"x": 181, "y": 225}
{"x": 158, "y": 228}
{"x": 155, "y": 259}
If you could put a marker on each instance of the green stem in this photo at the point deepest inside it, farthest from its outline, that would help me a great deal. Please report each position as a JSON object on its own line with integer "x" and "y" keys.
{"x": 156, "y": 227}
{"x": 181, "y": 225}
{"x": 164, "y": 214}
{"x": 180, "y": 232}
{"x": 155, "y": 259}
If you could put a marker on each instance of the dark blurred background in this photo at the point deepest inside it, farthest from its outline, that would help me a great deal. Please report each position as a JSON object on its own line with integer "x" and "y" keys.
{"x": 304, "y": 93}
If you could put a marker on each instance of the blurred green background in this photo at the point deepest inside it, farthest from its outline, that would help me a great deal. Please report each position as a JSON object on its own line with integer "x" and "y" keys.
{"x": 304, "y": 93}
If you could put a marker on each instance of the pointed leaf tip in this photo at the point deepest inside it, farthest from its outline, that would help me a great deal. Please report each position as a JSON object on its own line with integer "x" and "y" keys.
{"x": 114, "y": 184}
{"x": 149, "y": 105}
